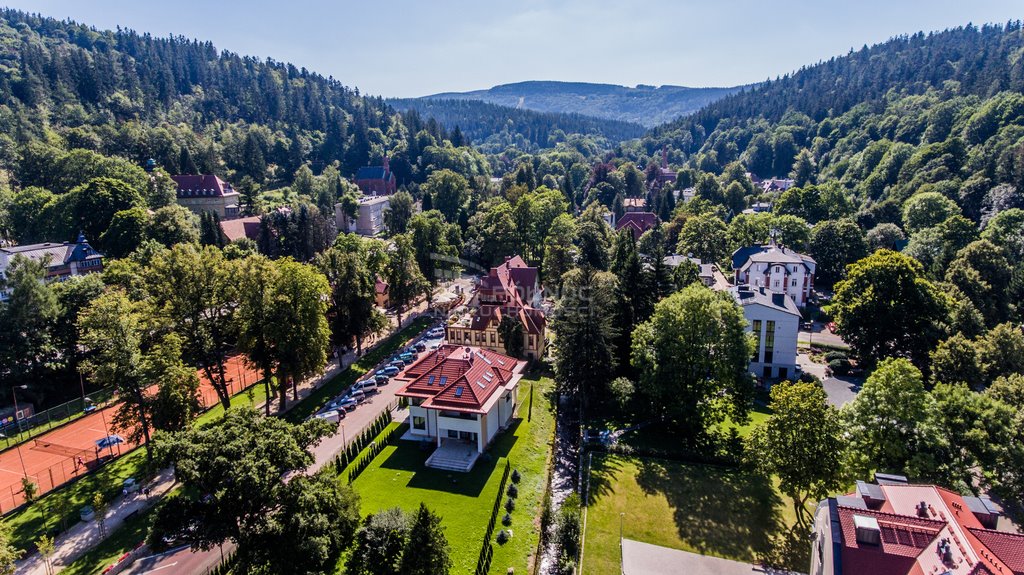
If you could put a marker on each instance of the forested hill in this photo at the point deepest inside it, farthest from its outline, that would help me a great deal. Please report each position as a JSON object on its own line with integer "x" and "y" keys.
{"x": 190, "y": 106}
{"x": 937, "y": 78}
{"x": 645, "y": 105}
{"x": 494, "y": 127}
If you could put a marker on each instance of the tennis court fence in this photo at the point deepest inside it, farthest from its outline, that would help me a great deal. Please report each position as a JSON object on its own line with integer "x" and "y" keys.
{"x": 23, "y": 430}
{"x": 76, "y": 462}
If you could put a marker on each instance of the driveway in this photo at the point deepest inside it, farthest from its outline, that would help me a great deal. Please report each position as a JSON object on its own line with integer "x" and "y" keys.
{"x": 819, "y": 334}
{"x": 840, "y": 391}
{"x": 646, "y": 559}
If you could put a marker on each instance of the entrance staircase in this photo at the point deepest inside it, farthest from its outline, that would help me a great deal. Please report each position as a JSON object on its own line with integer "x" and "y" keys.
{"x": 453, "y": 455}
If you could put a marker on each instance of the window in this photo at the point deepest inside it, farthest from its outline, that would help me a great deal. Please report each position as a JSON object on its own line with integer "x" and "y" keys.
{"x": 452, "y": 434}
{"x": 444, "y": 380}
{"x": 757, "y": 340}
{"x": 775, "y": 283}
{"x": 793, "y": 283}
{"x": 430, "y": 380}
{"x": 492, "y": 338}
{"x": 769, "y": 342}
{"x": 419, "y": 422}
{"x": 458, "y": 391}
{"x": 531, "y": 341}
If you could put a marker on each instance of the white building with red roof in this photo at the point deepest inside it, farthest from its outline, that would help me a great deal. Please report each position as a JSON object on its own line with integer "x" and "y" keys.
{"x": 461, "y": 398}
{"x": 897, "y": 528}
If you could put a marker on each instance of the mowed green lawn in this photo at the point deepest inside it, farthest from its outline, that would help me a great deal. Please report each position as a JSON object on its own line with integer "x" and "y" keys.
{"x": 704, "y": 509}
{"x": 398, "y": 477}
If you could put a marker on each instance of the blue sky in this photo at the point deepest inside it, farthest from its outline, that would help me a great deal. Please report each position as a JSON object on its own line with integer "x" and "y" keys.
{"x": 414, "y": 48}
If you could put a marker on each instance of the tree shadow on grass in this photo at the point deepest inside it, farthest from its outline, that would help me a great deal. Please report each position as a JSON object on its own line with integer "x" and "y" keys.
{"x": 721, "y": 511}
{"x": 603, "y": 470}
{"x": 412, "y": 456}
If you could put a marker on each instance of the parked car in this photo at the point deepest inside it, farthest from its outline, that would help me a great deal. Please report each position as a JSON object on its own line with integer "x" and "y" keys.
{"x": 347, "y": 404}
{"x": 356, "y": 394}
{"x": 420, "y": 346}
{"x": 391, "y": 371}
{"x": 407, "y": 358}
{"x": 367, "y": 386}
{"x": 333, "y": 415}
{"x": 397, "y": 362}
{"x": 381, "y": 379}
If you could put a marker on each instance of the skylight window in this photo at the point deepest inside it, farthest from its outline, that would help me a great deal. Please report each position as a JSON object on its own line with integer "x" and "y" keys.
{"x": 458, "y": 391}
{"x": 444, "y": 380}
{"x": 430, "y": 380}
{"x": 481, "y": 384}
{"x": 488, "y": 376}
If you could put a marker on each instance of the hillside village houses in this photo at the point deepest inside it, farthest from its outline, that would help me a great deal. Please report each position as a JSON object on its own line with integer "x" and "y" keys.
{"x": 511, "y": 289}
{"x": 207, "y": 193}
{"x": 460, "y": 398}
{"x": 63, "y": 260}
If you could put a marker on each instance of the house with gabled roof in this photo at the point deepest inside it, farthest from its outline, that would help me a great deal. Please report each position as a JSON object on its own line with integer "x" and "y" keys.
{"x": 776, "y": 268}
{"x": 513, "y": 290}
{"x": 637, "y": 222}
{"x": 207, "y": 193}
{"x": 62, "y": 260}
{"x": 377, "y": 180}
{"x": 892, "y": 527}
{"x": 460, "y": 398}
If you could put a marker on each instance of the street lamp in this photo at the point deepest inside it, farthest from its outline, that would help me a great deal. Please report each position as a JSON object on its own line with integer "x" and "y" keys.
{"x": 17, "y": 419}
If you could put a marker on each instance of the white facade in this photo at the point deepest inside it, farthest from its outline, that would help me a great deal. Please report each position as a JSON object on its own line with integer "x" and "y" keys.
{"x": 774, "y": 321}
{"x": 479, "y": 428}
{"x": 778, "y": 269}
{"x": 369, "y": 219}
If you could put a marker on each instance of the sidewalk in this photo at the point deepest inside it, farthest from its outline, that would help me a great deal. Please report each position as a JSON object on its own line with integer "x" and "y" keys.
{"x": 82, "y": 536}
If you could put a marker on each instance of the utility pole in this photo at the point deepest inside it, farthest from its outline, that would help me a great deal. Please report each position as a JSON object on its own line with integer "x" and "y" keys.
{"x": 17, "y": 440}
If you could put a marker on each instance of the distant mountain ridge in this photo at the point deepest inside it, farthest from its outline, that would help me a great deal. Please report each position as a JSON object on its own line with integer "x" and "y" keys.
{"x": 645, "y": 105}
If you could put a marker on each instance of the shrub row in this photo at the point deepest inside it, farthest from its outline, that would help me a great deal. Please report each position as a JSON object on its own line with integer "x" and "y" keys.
{"x": 385, "y": 439}
{"x": 352, "y": 450}
{"x": 483, "y": 564}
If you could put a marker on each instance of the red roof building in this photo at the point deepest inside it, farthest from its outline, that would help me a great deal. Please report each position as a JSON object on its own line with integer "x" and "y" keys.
{"x": 637, "y": 222}
{"x": 377, "y": 180}
{"x": 235, "y": 230}
{"x": 207, "y": 193}
{"x": 511, "y": 289}
{"x": 461, "y": 395}
{"x": 896, "y": 528}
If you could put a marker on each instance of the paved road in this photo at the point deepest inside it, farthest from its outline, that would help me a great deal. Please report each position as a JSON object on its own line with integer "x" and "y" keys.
{"x": 179, "y": 560}
{"x": 820, "y": 335}
{"x": 840, "y": 391}
{"x": 185, "y": 562}
{"x": 646, "y": 559}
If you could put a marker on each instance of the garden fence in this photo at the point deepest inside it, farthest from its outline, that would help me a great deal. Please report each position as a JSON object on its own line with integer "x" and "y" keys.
{"x": 483, "y": 564}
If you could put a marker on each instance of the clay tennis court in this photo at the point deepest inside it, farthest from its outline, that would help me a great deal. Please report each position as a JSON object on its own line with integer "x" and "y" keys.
{"x": 62, "y": 455}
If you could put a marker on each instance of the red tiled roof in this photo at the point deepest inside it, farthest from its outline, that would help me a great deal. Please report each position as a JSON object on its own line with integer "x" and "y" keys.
{"x": 380, "y": 285}
{"x": 910, "y": 544}
{"x": 459, "y": 378}
{"x": 637, "y": 222}
{"x": 201, "y": 185}
{"x": 1008, "y": 548}
{"x": 241, "y": 228}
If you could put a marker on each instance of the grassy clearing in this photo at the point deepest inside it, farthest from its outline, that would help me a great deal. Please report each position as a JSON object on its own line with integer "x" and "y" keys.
{"x": 397, "y": 477}
{"x": 704, "y": 509}
{"x": 343, "y": 380}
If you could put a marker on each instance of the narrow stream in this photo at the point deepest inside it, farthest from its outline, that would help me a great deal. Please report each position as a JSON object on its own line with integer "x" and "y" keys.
{"x": 564, "y": 477}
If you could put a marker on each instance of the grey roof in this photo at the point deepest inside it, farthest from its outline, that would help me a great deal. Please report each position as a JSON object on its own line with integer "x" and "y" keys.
{"x": 745, "y": 295}
{"x": 982, "y": 506}
{"x": 851, "y": 501}
{"x": 706, "y": 270}
{"x": 870, "y": 490}
{"x": 770, "y": 254}
{"x": 371, "y": 173}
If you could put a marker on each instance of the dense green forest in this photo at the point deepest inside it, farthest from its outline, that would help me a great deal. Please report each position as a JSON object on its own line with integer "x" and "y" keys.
{"x": 644, "y": 105}
{"x": 493, "y": 128}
